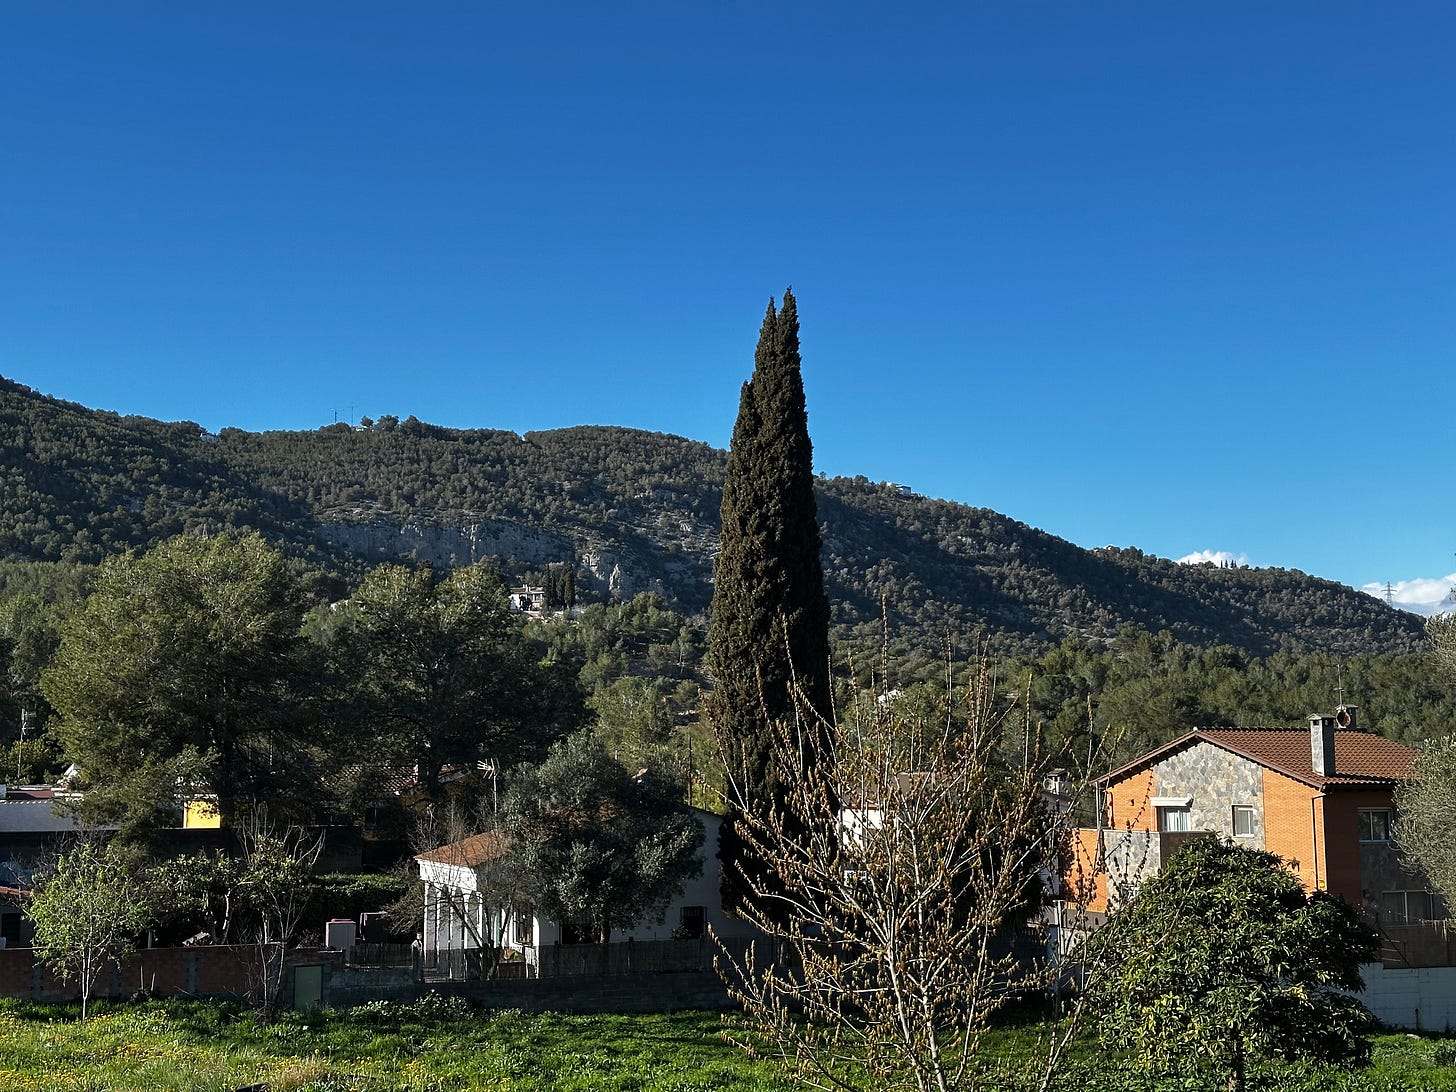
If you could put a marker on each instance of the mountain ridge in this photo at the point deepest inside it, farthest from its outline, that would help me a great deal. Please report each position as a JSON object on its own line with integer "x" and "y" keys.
{"x": 630, "y": 511}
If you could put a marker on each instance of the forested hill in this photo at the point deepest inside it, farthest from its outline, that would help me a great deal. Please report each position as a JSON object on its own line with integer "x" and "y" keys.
{"x": 628, "y": 511}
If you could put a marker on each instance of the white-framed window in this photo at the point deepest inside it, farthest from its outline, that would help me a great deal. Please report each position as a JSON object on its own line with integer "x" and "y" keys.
{"x": 1243, "y": 820}
{"x": 1375, "y": 824}
{"x": 1174, "y": 820}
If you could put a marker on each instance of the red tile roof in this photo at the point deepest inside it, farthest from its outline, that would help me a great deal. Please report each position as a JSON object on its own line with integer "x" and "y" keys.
{"x": 470, "y": 852}
{"x": 1361, "y": 758}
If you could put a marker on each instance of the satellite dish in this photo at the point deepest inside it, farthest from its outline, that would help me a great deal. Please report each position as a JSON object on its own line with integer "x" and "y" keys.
{"x": 1342, "y": 717}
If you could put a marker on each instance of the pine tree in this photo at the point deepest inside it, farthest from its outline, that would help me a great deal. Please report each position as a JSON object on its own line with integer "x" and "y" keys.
{"x": 769, "y": 636}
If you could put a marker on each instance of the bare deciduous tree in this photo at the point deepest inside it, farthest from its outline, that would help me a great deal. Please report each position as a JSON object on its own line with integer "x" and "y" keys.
{"x": 900, "y": 887}
{"x": 87, "y": 909}
{"x": 276, "y": 875}
{"x": 1426, "y": 810}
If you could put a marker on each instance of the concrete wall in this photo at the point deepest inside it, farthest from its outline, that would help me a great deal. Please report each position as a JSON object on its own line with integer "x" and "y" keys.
{"x": 1416, "y": 999}
{"x": 629, "y": 993}
{"x": 635, "y": 993}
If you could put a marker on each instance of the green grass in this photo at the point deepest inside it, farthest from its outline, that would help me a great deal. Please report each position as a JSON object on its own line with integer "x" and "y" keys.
{"x": 429, "y": 1046}
{"x": 437, "y": 1045}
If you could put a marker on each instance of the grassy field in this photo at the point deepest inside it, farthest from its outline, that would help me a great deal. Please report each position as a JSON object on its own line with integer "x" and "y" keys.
{"x": 197, "y": 1047}
{"x": 443, "y": 1045}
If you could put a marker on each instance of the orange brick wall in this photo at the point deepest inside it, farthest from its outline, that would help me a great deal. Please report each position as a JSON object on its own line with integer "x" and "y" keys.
{"x": 1127, "y": 806}
{"x": 1085, "y": 883}
{"x": 1291, "y": 829}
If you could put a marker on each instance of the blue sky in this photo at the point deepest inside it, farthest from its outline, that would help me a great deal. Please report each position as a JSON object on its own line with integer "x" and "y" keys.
{"x": 1176, "y": 276}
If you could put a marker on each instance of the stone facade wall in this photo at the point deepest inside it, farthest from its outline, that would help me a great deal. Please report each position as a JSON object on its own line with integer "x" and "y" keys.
{"x": 1132, "y": 857}
{"x": 1216, "y": 780}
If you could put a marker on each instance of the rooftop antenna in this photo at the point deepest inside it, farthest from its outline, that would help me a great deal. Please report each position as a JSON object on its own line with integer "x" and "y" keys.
{"x": 25, "y": 718}
{"x": 1340, "y": 683}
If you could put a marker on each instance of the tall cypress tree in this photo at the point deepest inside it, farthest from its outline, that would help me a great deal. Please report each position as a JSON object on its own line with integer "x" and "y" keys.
{"x": 770, "y": 618}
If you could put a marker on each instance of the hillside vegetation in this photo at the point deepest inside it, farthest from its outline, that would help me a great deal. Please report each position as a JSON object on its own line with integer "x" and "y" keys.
{"x": 627, "y": 511}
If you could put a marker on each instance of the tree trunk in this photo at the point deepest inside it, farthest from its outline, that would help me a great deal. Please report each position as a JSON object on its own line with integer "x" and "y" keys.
{"x": 1236, "y": 1070}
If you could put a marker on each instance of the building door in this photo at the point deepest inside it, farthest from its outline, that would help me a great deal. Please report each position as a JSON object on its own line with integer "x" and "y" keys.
{"x": 308, "y": 986}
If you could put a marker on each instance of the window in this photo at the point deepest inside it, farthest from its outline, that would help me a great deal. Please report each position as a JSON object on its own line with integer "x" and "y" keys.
{"x": 1375, "y": 824}
{"x": 524, "y": 925}
{"x": 1243, "y": 821}
{"x": 1404, "y": 907}
{"x": 1173, "y": 820}
{"x": 690, "y": 927}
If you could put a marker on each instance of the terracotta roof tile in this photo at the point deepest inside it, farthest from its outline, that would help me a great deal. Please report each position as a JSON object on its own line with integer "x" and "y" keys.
{"x": 470, "y": 852}
{"x": 1361, "y": 758}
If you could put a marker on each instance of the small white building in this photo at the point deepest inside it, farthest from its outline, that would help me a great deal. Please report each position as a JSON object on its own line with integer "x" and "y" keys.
{"x": 459, "y": 913}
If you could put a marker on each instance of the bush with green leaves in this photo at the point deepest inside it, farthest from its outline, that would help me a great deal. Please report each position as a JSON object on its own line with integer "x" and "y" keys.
{"x": 86, "y": 909}
{"x": 1224, "y": 958}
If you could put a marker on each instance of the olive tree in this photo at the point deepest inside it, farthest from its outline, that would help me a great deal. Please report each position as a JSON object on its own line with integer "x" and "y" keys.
{"x": 1426, "y": 807}
{"x": 601, "y": 845}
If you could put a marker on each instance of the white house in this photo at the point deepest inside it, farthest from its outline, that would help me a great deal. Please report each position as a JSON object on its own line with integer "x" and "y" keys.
{"x": 458, "y": 914}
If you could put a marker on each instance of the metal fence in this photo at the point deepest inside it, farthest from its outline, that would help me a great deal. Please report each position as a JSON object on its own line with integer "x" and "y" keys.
{"x": 392, "y": 956}
{"x": 472, "y": 965}
{"x": 1424, "y": 944}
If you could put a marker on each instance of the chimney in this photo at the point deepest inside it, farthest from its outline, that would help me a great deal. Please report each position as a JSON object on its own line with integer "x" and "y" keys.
{"x": 1322, "y": 744}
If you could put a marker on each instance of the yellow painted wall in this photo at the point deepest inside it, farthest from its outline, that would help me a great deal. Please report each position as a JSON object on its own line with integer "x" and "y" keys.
{"x": 201, "y": 813}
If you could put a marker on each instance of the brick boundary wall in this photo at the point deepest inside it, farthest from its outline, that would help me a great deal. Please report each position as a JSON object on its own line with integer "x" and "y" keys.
{"x": 223, "y": 970}
{"x": 230, "y": 972}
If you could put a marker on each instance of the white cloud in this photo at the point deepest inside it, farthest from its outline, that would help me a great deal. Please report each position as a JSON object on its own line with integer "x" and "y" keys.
{"x": 1421, "y": 595}
{"x": 1218, "y": 557}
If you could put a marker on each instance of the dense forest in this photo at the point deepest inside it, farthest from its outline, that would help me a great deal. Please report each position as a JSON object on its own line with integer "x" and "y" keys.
{"x": 1104, "y": 652}
{"x": 626, "y": 512}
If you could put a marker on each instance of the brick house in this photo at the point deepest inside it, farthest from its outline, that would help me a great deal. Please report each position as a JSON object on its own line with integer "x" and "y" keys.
{"x": 1322, "y": 799}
